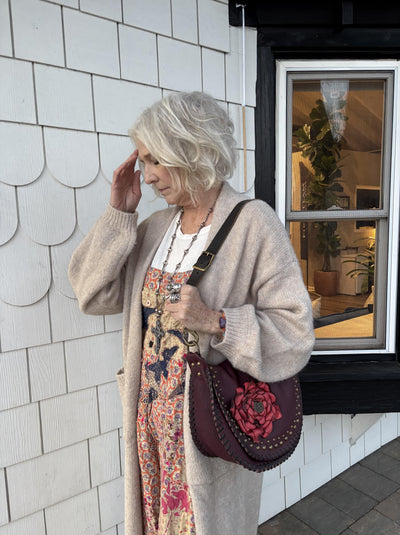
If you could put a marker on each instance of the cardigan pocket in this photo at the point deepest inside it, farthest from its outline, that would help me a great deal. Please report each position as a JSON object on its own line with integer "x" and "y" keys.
{"x": 121, "y": 382}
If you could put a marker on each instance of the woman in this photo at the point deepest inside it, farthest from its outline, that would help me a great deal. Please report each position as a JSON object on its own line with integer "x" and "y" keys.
{"x": 251, "y": 307}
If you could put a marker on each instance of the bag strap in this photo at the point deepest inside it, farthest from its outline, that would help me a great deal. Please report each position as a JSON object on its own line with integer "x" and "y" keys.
{"x": 206, "y": 257}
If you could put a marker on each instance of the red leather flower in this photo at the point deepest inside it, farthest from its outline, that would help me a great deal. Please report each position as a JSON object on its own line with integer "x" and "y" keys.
{"x": 255, "y": 409}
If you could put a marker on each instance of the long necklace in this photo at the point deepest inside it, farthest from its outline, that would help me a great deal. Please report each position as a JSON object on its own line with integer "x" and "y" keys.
{"x": 158, "y": 331}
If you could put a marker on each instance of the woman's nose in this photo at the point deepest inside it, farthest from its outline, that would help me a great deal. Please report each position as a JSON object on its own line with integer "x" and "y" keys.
{"x": 149, "y": 176}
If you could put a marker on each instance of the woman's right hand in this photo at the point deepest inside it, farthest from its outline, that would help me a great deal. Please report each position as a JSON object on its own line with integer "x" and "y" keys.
{"x": 125, "y": 187}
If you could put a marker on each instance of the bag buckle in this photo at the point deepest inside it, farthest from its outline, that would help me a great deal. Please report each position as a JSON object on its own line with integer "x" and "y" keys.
{"x": 190, "y": 338}
{"x": 204, "y": 261}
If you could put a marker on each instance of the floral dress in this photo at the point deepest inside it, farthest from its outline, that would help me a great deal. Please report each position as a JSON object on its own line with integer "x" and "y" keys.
{"x": 167, "y": 508}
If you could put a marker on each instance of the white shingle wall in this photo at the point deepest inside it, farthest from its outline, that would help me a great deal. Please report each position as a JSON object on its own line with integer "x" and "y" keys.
{"x": 180, "y": 65}
{"x": 111, "y": 500}
{"x": 17, "y": 101}
{"x": 48, "y": 479}
{"x": 110, "y": 9}
{"x": 74, "y": 75}
{"x": 21, "y": 146}
{"x": 32, "y": 524}
{"x": 91, "y": 43}
{"x": 8, "y": 210}
{"x": 47, "y": 371}
{"x": 37, "y": 32}
{"x": 14, "y": 383}
{"x": 77, "y": 165}
{"x": 25, "y": 270}
{"x": 64, "y": 98}
{"x": 5, "y": 29}
{"x": 104, "y": 457}
{"x": 3, "y": 499}
{"x": 71, "y": 515}
{"x": 69, "y": 419}
{"x": 184, "y": 21}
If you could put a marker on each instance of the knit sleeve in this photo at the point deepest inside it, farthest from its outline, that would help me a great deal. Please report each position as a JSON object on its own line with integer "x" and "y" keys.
{"x": 97, "y": 267}
{"x": 271, "y": 336}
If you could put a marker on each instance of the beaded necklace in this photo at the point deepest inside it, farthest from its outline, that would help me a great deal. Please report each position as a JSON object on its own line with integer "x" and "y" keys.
{"x": 172, "y": 286}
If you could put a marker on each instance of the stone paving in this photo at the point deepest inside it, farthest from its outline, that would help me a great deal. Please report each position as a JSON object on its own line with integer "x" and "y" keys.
{"x": 363, "y": 500}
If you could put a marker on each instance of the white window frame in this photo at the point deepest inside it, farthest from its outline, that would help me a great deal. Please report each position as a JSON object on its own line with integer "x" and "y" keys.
{"x": 283, "y": 68}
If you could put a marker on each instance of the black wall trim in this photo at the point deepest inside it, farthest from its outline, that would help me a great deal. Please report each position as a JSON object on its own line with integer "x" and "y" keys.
{"x": 325, "y": 372}
{"x": 336, "y": 13}
{"x": 369, "y": 39}
{"x": 265, "y": 127}
{"x": 350, "y": 389}
{"x": 352, "y": 397}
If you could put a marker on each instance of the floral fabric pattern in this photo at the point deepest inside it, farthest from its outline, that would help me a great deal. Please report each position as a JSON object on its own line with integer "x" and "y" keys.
{"x": 167, "y": 508}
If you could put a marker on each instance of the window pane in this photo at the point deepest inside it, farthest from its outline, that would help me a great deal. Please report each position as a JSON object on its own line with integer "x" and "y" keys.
{"x": 342, "y": 287}
{"x": 337, "y": 127}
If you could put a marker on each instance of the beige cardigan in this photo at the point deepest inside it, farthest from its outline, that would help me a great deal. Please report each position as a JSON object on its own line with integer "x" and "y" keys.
{"x": 256, "y": 279}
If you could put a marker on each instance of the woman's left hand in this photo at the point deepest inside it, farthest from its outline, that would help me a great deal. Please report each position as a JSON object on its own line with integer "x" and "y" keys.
{"x": 193, "y": 313}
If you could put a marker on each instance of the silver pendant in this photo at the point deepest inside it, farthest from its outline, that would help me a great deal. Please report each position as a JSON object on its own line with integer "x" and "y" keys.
{"x": 174, "y": 287}
{"x": 174, "y": 298}
{"x": 159, "y": 333}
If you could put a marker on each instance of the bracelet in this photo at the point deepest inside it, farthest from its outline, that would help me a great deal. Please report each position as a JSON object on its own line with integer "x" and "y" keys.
{"x": 222, "y": 322}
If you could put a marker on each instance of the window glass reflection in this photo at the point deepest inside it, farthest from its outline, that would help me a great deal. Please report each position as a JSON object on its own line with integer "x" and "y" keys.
{"x": 337, "y": 141}
{"x": 342, "y": 293}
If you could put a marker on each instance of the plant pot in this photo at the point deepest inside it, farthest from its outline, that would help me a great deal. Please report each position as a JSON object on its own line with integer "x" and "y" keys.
{"x": 326, "y": 282}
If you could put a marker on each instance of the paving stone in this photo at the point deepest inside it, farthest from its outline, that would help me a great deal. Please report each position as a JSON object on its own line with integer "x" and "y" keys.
{"x": 384, "y": 465}
{"x": 285, "y": 523}
{"x": 346, "y": 498}
{"x": 321, "y": 515}
{"x": 338, "y": 507}
{"x": 369, "y": 482}
{"x": 374, "y": 523}
{"x": 392, "y": 448}
{"x": 391, "y": 507}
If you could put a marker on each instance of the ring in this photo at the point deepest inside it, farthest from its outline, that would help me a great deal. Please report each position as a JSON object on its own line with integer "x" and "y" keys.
{"x": 174, "y": 287}
{"x": 174, "y": 298}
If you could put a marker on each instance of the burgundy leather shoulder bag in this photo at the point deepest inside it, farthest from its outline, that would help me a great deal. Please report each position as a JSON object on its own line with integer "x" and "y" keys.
{"x": 233, "y": 415}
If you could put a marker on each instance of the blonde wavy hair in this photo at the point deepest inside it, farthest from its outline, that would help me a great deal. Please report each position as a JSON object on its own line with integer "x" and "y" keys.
{"x": 191, "y": 135}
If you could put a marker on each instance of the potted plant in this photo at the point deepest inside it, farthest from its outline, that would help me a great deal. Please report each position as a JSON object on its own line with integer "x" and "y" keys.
{"x": 322, "y": 147}
{"x": 365, "y": 266}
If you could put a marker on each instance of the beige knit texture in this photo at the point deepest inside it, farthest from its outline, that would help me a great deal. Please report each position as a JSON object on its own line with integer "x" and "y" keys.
{"x": 256, "y": 280}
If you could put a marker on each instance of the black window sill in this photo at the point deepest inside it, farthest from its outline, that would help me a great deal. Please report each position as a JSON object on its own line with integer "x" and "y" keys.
{"x": 350, "y": 387}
